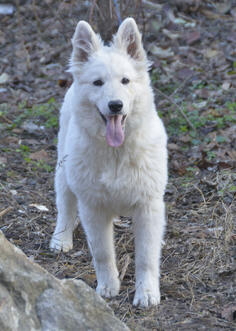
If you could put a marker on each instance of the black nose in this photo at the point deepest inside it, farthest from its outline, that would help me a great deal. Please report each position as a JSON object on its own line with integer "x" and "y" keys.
{"x": 115, "y": 105}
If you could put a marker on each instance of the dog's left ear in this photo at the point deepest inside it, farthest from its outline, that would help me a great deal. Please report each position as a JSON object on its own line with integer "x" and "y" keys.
{"x": 129, "y": 38}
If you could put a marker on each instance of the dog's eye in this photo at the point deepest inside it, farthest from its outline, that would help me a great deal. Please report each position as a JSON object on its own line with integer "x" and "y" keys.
{"x": 125, "y": 81}
{"x": 98, "y": 82}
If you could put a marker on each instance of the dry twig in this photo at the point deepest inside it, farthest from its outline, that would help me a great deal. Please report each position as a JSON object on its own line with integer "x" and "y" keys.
{"x": 177, "y": 106}
{"x": 5, "y": 211}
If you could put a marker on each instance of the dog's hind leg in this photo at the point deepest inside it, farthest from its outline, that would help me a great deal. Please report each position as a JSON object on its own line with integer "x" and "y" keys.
{"x": 149, "y": 223}
{"x": 62, "y": 239}
{"x": 98, "y": 226}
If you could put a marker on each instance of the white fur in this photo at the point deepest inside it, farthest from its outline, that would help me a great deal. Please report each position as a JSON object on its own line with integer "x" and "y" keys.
{"x": 102, "y": 182}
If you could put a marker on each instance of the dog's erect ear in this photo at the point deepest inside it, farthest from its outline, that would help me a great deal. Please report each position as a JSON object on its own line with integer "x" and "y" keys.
{"x": 129, "y": 38}
{"x": 84, "y": 42}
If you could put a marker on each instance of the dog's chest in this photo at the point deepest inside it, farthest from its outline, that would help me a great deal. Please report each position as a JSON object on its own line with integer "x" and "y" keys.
{"x": 112, "y": 177}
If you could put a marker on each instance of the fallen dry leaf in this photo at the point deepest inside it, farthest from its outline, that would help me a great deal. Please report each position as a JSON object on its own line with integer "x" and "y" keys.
{"x": 39, "y": 207}
{"x": 192, "y": 37}
{"x": 161, "y": 52}
{"x": 226, "y": 85}
{"x": 39, "y": 156}
{"x": 210, "y": 14}
{"x": 185, "y": 73}
{"x": 209, "y": 53}
{"x": 203, "y": 93}
{"x": 3, "y": 160}
{"x": 4, "y": 78}
{"x": 233, "y": 12}
{"x": 173, "y": 147}
{"x": 232, "y": 154}
{"x": 223, "y": 7}
{"x": 229, "y": 312}
{"x": 185, "y": 139}
{"x": 171, "y": 35}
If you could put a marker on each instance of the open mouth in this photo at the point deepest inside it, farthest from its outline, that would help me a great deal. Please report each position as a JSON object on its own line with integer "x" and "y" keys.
{"x": 105, "y": 118}
{"x": 115, "y": 126}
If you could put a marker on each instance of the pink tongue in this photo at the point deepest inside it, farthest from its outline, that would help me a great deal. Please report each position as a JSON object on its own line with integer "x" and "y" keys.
{"x": 115, "y": 134}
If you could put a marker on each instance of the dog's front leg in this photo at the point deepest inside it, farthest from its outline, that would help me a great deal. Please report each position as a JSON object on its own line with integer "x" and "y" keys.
{"x": 99, "y": 230}
{"x": 62, "y": 239}
{"x": 149, "y": 228}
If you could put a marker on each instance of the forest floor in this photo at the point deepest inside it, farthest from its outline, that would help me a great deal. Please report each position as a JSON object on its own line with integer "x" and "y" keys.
{"x": 194, "y": 77}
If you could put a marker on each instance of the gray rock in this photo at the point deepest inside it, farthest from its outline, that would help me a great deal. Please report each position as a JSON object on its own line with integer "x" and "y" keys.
{"x": 32, "y": 299}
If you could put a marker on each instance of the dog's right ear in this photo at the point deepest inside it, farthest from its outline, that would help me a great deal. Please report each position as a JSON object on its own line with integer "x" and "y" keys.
{"x": 85, "y": 42}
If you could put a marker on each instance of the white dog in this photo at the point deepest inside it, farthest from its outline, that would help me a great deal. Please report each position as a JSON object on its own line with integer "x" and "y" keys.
{"x": 112, "y": 157}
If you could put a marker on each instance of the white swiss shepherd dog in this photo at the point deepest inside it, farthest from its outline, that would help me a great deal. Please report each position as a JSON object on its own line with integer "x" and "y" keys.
{"x": 112, "y": 158}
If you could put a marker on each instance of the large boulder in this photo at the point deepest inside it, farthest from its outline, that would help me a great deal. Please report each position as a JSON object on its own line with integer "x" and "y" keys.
{"x": 32, "y": 299}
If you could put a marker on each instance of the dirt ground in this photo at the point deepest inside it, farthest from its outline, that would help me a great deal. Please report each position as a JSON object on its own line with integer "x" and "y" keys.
{"x": 192, "y": 47}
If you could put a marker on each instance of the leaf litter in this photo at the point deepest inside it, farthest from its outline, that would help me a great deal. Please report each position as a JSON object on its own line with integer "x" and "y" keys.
{"x": 192, "y": 47}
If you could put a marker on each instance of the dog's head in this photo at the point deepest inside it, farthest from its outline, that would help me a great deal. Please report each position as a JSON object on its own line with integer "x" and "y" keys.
{"x": 109, "y": 79}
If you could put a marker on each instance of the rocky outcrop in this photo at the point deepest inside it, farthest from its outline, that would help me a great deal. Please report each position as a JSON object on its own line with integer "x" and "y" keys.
{"x": 33, "y": 299}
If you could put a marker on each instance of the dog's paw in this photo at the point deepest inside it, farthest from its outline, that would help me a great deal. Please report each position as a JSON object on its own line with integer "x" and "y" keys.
{"x": 108, "y": 290}
{"x": 59, "y": 243}
{"x": 146, "y": 298}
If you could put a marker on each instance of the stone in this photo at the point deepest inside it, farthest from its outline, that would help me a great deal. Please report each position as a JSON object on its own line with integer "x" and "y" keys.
{"x": 31, "y": 299}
